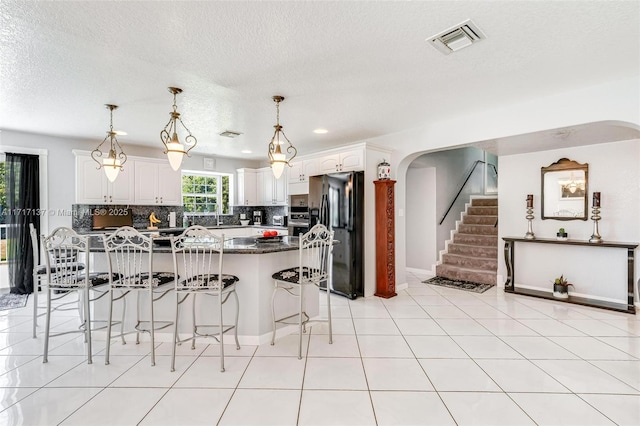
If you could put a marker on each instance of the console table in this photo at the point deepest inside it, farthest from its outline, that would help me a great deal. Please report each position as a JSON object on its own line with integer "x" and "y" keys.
{"x": 509, "y": 285}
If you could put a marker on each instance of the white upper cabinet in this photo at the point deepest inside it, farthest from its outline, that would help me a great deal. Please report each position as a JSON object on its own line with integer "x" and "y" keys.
{"x": 247, "y": 187}
{"x": 157, "y": 183}
{"x": 299, "y": 175}
{"x": 344, "y": 161}
{"x": 93, "y": 187}
{"x": 272, "y": 191}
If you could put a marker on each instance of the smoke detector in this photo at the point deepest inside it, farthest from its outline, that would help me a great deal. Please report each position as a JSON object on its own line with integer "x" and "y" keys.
{"x": 230, "y": 134}
{"x": 457, "y": 37}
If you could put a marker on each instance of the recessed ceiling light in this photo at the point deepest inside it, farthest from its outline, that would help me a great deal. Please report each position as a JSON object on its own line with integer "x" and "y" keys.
{"x": 320, "y": 131}
{"x": 246, "y": 151}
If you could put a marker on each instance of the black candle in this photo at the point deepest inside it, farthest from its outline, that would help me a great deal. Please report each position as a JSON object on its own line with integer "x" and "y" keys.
{"x": 596, "y": 199}
{"x": 530, "y": 201}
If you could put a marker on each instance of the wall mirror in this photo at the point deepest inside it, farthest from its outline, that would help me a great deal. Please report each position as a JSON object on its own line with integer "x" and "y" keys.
{"x": 564, "y": 190}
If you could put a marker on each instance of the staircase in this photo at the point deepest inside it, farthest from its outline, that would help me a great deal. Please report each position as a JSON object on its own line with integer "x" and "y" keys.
{"x": 472, "y": 255}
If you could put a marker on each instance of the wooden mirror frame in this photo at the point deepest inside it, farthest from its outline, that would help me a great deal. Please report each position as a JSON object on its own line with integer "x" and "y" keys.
{"x": 563, "y": 165}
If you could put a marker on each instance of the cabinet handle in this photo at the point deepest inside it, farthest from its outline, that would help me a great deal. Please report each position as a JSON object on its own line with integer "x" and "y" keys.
{"x": 110, "y": 198}
{"x": 161, "y": 200}
{"x": 105, "y": 198}
{"x": 156, "y": 200}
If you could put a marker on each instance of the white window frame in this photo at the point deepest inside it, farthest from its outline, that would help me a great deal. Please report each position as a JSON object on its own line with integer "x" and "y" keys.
{"x": 218, "y": 175}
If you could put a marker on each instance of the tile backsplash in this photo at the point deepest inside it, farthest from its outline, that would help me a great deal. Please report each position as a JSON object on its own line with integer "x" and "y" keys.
{"x": 82, "y": 215}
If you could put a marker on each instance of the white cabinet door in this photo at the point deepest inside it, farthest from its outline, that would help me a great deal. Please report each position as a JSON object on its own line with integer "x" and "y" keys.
{"x": 146, "y": 175}
{"x": 352, "y": 160}
{"x": 342, "y": 162}
{"x": 329, "y": 164}
{"x": 93, "y": 187}
{"x": 169, "y": 185}
{"x": 265, "y": 184}
{"x": 281, "y": 190}
{"x": 122, "y": 191}
{"x": 310, "y": 168}
{"x": 295, "y": 172}
{"x": 91, "y": 182}
{"x": 247, "y": 191}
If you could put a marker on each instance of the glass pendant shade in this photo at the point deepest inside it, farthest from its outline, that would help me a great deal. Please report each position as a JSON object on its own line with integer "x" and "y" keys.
{"x": 278, "y": 163}
{"x": 113, "y": 162}
{"x": 174, "y": 149}
{"x": 175, "y": 152}
{"x": 111, "y": 166}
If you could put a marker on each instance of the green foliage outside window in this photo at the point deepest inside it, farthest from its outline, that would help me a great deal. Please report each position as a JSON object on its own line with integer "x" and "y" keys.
{"x": 204, "y": 193}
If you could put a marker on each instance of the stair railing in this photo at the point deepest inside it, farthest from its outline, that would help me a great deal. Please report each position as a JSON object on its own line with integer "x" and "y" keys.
{"x": 473, "y": 168}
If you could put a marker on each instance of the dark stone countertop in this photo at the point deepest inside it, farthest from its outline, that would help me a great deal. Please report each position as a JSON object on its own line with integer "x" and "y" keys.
{"x": 237, "y": 245}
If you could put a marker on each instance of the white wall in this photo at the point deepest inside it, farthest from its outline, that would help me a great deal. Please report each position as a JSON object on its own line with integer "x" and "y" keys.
{"x": 421, "y": 218}
{"x": 614, "y": 170}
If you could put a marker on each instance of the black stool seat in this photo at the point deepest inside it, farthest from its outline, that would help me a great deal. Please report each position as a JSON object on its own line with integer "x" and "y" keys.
{"x": 292, "y": 275}
{"x": 75, "y": 266}
{"x": 206, "y": 280}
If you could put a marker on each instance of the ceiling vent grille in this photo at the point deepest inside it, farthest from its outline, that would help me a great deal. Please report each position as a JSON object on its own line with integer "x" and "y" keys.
{"x": 230, "y": 134}
{"x": 458, "y": 37}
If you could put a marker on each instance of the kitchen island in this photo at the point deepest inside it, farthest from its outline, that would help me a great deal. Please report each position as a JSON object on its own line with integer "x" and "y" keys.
{"x": 251, "y": 261}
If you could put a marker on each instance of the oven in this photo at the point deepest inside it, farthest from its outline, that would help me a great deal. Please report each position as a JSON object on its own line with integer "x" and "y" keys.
{"x": 298, "y": 222}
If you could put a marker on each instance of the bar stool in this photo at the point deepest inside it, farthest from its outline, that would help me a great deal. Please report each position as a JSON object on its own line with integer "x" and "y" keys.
{"x": 40, "y": 276}
{"x": 314, "y": 268}
{"x": 64, "y": 247}
{"x": 129, "y": 271}
{"x": 197, "y": 257}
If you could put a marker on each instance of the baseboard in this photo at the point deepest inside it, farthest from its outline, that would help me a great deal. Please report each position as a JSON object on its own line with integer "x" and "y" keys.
{"x": 403, "y": 286}
{"x": 418, "y": 271}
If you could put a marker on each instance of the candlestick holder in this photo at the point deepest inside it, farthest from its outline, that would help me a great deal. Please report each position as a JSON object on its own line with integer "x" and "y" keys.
{"x": 529, "y": 235}
{"x": 595, "y": 216}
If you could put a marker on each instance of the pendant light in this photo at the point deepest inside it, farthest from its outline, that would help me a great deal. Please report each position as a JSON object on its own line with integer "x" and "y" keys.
{"x": 277, "y": 158}
{"x": 169, "y": 136}
{"x": 113, "y": 162}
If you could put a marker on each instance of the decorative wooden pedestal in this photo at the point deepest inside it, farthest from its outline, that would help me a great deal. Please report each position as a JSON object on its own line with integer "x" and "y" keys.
{"x": 385, "y": 239}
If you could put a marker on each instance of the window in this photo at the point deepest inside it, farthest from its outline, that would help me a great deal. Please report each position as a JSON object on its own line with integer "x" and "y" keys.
{"x": 206, "y": 193}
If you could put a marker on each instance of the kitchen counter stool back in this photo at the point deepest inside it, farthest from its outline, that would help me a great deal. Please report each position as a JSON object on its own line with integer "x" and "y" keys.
{"x": 64, "y": 248}
{"x": 314, "y": 268}
{"x": 40, "y": 276}
{"x": 198, "y": 260}
{"x": 130, "y": 260}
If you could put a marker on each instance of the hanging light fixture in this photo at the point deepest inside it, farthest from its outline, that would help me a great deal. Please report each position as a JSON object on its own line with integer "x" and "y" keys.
{"x": 112, "y": 164}
{"x": 276, "y": 157}
{"x": 169, "y": 136}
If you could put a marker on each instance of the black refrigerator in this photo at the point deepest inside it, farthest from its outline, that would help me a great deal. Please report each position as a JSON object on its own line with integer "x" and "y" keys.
{"x": 337, "y": 201}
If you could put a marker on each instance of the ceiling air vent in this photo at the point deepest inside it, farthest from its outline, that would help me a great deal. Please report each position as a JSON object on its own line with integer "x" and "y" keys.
{"x": 458, "y": 37}
{"x": 230, "y": 134}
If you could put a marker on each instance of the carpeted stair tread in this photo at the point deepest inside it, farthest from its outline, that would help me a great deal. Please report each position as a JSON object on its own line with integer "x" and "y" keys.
{"x": 476, "y": 202}
{"x": 466, "y": 274}
{"x": 482, "y": 210}
{"x": 473, "y": 250}
{"x": 470, "y": 262}
{"x": 477, "y": 229}
{"x": 478, "y": 240}
{"x": 479, "y": 220}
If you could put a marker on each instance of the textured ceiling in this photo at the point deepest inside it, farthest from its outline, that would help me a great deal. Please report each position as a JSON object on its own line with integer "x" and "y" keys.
{"x": 358, "y": 69}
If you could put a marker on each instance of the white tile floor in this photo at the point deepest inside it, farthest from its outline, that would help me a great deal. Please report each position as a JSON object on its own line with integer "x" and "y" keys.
{"x": 431, "y": 356}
